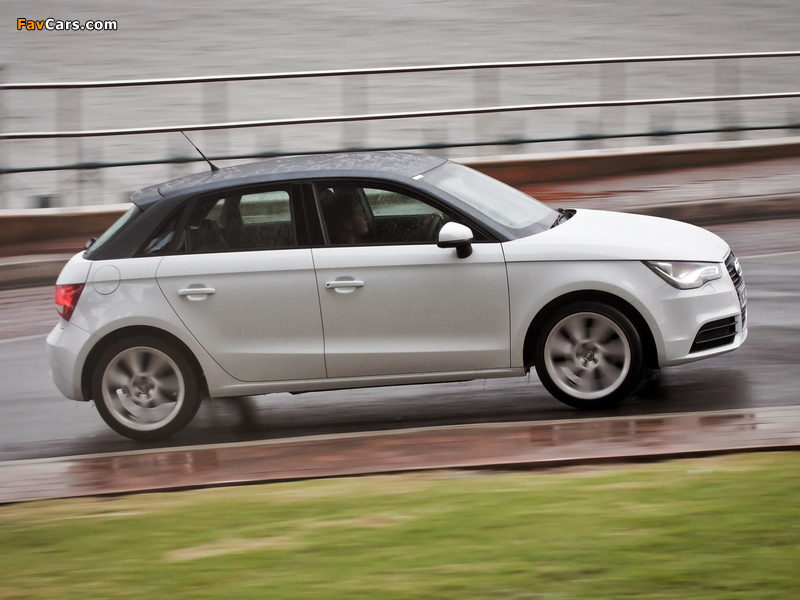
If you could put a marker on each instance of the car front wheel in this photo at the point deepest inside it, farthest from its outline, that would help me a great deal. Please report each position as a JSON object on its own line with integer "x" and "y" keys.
{"x": 589, "y": 355}
{"x": 145, "y": 389}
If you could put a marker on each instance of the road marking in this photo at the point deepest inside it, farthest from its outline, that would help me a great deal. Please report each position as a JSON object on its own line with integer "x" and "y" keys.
{"x": 772, "y": 255}
{"x": 24, "y": 338}
{"x": 766, "y": 294}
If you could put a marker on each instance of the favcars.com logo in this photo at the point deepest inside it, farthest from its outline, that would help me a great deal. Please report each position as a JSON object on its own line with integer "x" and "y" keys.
{"x": 68, "y": 25}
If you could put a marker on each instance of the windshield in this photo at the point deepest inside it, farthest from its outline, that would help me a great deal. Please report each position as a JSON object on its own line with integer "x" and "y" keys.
{"x": 511, "y": 210}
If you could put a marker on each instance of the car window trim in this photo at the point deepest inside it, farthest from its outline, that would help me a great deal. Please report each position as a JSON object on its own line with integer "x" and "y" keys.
{"x": 313, "y": 215}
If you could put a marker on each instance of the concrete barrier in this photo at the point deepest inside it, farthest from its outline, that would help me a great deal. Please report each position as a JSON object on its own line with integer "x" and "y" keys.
{"x": 48, "y": 224}
{"x": 31, "y": 271}
{"x": 567, "y": 166}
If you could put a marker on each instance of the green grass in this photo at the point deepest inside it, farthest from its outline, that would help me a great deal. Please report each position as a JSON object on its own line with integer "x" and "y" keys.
{"x": 726, "y": 527}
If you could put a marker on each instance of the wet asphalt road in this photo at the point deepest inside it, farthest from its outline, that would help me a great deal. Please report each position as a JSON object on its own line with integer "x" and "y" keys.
{"x": 35, "y": 422}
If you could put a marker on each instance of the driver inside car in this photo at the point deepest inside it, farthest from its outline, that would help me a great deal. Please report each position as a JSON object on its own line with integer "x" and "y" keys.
{"x": 346, "y": 219}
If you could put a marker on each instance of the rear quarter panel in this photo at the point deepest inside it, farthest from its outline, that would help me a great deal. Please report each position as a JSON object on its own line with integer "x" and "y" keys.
{"x": 124, "y": 293}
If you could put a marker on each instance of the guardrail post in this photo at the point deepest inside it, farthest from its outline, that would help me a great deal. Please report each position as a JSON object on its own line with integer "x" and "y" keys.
{"x": 3, "y": 164}
{"x": 354, "y": 102}
{"x": 215, "y": 110}
{"x": 435, "y": 140}
{"x": 793, "y": 121}
{"x": 612, "y": 87}
{"x": 726, "y": 83}
{"x": 70, "y": 150}
{"x": 487, "y": 93}
{"x": 661, "y": 125}
{"x": 269, "y": 141}
{"x": 95, "y": 177}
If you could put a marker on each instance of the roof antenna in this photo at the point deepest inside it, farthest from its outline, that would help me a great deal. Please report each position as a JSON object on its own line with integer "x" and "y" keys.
{"x": 210, "y": 164}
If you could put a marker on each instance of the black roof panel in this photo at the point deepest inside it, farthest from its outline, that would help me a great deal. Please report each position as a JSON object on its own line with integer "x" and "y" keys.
{"x": 345, "y": 164}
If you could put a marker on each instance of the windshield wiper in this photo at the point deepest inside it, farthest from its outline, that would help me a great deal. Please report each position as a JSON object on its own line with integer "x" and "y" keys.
{"x": 563, "y": 215}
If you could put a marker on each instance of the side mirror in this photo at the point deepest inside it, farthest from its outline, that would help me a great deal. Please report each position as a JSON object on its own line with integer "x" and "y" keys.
{"x": 455, "y": 235}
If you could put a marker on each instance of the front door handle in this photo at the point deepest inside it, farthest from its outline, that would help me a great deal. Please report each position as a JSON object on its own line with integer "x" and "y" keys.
{"x": 196, "y": 293}
{"x": 344, "y": 283}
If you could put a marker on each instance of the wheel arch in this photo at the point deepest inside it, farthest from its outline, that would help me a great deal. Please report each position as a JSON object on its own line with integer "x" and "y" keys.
{"x": 648, "y": 341}
{"x": 126, "y": 332}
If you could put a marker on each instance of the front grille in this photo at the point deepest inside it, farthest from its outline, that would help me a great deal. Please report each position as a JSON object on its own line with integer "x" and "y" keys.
{"x": 714, "y": 334}
{"x": 723, "y": 331}
{"x": 735, "y": 272}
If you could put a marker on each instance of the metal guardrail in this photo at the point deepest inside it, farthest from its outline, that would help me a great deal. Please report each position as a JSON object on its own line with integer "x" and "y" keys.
{"x": 389, "y": 116}
{"x": 727, "y": 123}
{"x": 589, "y": 137}
{"x": 396, "y": 70}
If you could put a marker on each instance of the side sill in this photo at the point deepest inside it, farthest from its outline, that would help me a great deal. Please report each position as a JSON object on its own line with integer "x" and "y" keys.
{"x": 345, "y": 383}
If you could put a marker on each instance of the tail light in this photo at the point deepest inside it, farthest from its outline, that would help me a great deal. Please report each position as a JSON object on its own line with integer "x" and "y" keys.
{"x": 67, "y": 299}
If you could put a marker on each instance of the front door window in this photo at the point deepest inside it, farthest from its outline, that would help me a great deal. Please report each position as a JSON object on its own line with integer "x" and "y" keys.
{"x": 355, "y": 215}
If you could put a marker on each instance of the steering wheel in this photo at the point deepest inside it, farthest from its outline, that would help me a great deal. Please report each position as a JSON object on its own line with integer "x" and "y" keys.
{"x": 436, "y": 223}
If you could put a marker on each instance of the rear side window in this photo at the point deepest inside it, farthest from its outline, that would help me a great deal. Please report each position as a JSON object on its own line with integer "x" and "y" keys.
{"x": 119, "y": 224}
{"x": 163, "y": 237}
{"x": 251, "y": 220}
{"x": 266, "y": 207}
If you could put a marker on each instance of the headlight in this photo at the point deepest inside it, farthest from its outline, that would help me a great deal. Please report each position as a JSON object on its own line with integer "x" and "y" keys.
{"x": 685, "y": 275}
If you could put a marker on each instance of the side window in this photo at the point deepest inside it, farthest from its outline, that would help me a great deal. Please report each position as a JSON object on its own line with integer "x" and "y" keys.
{"x": 266, "y": 207}
{"x": 356, "y": 215}
{"x": 160, "y": 242}
{"x": 253, "y": 220}
{"x": 263, "y": 220}
{"x": 204, "y": 231}
{"x": 385, "y": 203}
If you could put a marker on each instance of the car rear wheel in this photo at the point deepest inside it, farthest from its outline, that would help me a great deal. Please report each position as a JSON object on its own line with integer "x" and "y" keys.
{"x": 145, "y": 389}
{"x": 589, "y": 355}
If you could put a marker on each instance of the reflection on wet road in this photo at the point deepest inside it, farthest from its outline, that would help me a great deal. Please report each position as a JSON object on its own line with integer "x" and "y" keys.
{"x": 542, "y": 444}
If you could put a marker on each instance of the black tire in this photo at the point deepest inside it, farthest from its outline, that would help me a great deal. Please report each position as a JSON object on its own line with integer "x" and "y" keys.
{"x": 145, "y": 388}
{"x": 589, "y": 355}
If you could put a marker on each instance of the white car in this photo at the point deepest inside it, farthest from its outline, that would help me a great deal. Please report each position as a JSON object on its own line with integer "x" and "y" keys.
{"x": 371, "y": 269}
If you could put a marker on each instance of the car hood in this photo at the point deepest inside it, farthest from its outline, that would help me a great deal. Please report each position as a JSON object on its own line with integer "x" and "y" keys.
{"x": 605, "y": 235}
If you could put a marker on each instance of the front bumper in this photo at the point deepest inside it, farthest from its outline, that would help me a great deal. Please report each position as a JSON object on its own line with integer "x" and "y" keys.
{"x": 696, "y": 324}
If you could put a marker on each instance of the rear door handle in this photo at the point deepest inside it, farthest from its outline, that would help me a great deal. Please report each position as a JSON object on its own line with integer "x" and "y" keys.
{"x": 346, "y": 283}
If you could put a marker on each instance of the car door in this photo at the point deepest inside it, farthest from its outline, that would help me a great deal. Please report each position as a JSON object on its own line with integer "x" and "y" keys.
{"x": 395, "y": 303}
{"x": 244, "y": 287}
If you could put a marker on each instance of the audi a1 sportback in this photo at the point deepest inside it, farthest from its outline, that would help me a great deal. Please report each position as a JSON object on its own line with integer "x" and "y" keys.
{"x": 351, "y": 270}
